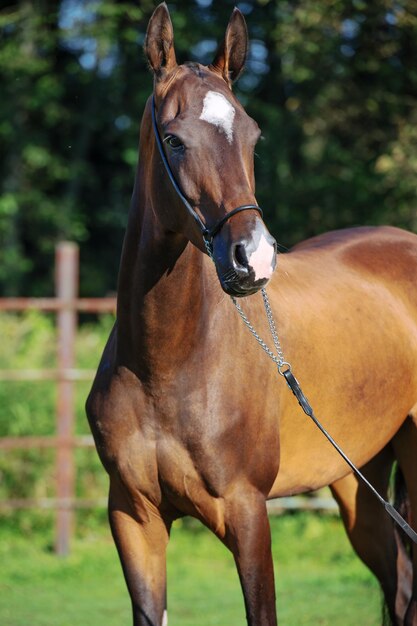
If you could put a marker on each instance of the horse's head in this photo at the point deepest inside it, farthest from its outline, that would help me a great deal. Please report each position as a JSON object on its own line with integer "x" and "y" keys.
{"x": 208, "y": 141}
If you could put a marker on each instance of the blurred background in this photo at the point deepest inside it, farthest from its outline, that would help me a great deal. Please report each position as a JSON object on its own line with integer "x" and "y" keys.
{"x": 333, "y": 86}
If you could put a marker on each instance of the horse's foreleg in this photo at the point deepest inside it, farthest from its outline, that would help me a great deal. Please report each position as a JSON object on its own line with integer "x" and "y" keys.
{"x": 249, "y": 539}
{"x": 372, "y": 534}
{"x": 141, "y": 539}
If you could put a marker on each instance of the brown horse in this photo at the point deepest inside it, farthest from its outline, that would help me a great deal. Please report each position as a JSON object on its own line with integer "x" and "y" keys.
{"x": 188, "y": 414}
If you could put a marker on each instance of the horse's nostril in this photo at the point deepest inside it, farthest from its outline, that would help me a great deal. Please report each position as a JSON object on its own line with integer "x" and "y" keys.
{"x": 274, "y": 258}
{"x": 239, "y": 255}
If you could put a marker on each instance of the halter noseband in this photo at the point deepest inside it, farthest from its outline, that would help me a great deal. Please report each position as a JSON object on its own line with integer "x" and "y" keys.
{"x": 208, "y": 233}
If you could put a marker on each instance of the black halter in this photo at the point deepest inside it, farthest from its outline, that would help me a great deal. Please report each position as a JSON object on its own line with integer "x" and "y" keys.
{"x": 208, "y": 233}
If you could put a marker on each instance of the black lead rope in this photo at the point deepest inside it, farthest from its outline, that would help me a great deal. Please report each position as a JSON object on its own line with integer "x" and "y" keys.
{"x": 306, "y": 406}
{"x": 208, "y": 234}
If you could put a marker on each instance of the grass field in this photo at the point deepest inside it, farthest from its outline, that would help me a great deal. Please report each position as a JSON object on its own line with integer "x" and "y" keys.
{"x": 319, "y": 580}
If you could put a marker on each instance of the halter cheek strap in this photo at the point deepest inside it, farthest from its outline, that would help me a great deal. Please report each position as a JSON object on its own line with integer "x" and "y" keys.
{"x": 208, "y": 233}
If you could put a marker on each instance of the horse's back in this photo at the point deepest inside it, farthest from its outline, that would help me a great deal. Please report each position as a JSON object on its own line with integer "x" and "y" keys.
{"x": 384, "y": 256}
{"x": 381, "y": 250}
{"x": 356, "y": 235}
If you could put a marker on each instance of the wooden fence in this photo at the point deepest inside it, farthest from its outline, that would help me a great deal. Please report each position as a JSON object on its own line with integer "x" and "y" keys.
{"x": 67, "y": 305}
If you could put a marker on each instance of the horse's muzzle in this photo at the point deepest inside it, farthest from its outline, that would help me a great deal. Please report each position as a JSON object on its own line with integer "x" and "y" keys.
{"x": 244, "y": 267}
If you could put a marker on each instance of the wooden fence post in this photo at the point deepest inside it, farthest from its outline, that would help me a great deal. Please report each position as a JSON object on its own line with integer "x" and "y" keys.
{"x": 66, "y": 287}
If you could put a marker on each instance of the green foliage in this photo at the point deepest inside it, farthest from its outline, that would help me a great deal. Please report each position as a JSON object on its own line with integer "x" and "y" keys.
{"x": 343, "y": 105}
{"x": 29, "y": 342}
{"x": 29, "y": 408}
{"x": 316, "y": 571}
{"x": 332, "y": 83}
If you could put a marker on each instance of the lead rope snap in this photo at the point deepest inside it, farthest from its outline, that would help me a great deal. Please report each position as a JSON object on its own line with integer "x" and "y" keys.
{"x": 208, "y": 244}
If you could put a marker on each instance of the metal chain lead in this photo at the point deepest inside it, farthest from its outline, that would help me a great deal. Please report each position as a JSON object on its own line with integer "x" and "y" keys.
{"x": 272, "y": 328}
{"x": 209, "y": 248}
{"x": 278, "y": 359}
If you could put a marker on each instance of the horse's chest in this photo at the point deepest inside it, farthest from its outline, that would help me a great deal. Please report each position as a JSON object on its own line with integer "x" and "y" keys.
{"x": 196, "y": 437}
{"x": 209, "y": 443}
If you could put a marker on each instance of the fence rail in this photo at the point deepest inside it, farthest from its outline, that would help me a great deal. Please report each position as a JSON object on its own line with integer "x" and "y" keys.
{"x": 61, "y": 504}
{"x": 275, "y": 507}
{"x": 82, "y": 305}
{"x": 46, "y": 441}
{"x": 69, "y": 374}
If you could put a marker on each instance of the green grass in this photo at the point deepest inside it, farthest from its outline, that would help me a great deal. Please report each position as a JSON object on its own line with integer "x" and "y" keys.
{"x": 319, "y": 580}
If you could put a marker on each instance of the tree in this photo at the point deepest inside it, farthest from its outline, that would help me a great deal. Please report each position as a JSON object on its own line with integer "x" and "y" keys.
{"x": 332, "y": 84}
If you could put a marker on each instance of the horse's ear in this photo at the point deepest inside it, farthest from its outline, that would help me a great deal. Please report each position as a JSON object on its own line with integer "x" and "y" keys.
{"x": 159, "y": 42}
{"x": 231, "y": 55}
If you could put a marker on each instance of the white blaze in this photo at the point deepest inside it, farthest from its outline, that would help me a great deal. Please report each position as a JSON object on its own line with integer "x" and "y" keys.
{"x": 217, "y": 110}
{"x": 165, "y": 618}
{"x": 261, "y": 259}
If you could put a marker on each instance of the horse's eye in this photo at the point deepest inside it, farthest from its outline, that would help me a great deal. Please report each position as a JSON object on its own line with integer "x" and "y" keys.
{"x": 173, "y": 142}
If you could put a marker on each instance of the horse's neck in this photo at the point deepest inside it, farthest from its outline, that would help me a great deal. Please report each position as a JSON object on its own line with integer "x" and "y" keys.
{"x": 163, "y": 294}
{"x": 165, "y": 283}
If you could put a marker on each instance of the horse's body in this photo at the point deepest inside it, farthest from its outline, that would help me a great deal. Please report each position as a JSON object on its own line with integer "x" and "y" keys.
{"x": 189, "y": 415}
